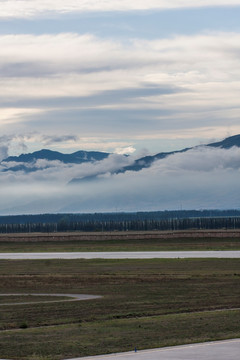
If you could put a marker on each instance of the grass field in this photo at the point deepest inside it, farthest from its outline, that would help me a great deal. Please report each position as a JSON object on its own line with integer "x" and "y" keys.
{"x": 132, "y": 241}
{"x": 145, "y": 303}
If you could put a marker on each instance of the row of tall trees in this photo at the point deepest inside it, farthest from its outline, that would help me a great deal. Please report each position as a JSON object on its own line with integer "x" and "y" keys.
{"x": 132, "y": 225}
{"x": 117, "y": 216}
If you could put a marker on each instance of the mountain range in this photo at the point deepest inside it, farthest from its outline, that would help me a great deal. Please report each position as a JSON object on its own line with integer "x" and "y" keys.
{"x": 28, "y": 162}
{"x": 77, "y": 157}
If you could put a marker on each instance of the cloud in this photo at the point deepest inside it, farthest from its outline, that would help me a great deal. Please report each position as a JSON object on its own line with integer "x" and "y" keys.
{"x": 3, "y": 152}
{"x": 82, "y": 91}
{"x": 33, "y": 141}
{"x": 188, "y": 180}
{"x": 125, "y": 150}
{"x": 5, "y": 145}
{"x": 54, "y": 171}
{"x": 49, "y": 140}
{"x": 200, "y": 159}
{"x": 180, "y": 83}
{"x": 33, "y": 8}
{"x": 87, "y": 55}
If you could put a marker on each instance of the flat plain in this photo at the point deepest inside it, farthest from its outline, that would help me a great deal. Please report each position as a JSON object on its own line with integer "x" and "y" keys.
{"x": 145, "y": 303}
{"x": 121, "y": 241}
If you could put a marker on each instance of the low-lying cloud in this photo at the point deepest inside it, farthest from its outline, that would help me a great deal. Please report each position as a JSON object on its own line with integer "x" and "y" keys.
{"x": 200, "y": 159}
{"x": 200, "y": 178}
{"x": 57, "y": 172}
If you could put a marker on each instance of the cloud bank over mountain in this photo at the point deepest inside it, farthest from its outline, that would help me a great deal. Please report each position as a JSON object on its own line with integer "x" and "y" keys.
{"x": 202, "y": 177}
{"x": 126, "y": 78}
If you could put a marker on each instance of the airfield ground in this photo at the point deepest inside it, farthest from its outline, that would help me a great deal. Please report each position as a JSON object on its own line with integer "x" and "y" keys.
{"x": 221, "y": 350}
{"x": 145, "y": 303}
{"x": 122, "y": 241}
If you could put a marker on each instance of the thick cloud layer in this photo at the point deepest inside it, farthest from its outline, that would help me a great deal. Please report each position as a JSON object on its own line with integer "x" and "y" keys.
{"x": 82, "y": 84}
{"x": 115, "y": 76}
{"x": 200, "y": 178}
{"x": 30, "y": 8}
{"x": 58, "y": 172}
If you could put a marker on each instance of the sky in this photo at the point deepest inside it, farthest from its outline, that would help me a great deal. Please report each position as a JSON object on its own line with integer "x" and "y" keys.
{"x": 126, "y": 77}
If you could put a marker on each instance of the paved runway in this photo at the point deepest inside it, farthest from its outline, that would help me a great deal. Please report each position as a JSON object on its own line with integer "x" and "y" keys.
{"x": 72, "y": 297}
{"x": 217, "y": 350}
{"x": 122, "y": 255}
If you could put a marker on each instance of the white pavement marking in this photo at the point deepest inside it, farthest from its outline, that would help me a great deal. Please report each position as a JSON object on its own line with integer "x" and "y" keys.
{"x": 122, "y": 255}
{"x": 216, "y": 350}
{"x": 73, "y": 297}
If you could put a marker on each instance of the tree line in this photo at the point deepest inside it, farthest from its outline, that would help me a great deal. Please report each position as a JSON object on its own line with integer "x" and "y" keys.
{"x": 117, "y": 216}
{"x": 65, "y": 224}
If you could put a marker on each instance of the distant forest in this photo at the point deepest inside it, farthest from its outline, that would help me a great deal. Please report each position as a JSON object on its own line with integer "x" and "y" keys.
{"x": 138, "y": 221}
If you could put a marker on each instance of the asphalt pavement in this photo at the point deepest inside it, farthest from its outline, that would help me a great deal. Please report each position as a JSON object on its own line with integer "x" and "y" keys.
{"x": 122, "y": 255}
{"x": 72, "y": 297}
{"x": 217, "y": 350}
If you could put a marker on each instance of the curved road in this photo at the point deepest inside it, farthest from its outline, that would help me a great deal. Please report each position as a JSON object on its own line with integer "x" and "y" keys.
{"x": 217, "y": 350}
{"x": 122, "y": 255}
{"x": 73, "y": 297}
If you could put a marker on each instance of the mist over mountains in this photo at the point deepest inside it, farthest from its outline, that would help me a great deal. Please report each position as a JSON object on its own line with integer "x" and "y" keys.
{"x": 77, "y": 157}
{"x": 45, "y": 159}
{"x": 201, "y": 177}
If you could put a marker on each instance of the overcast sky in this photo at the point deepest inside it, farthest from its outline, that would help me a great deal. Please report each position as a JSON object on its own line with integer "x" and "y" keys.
{"x": 135, "y": 77}
{"x": 118, "y": 75}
